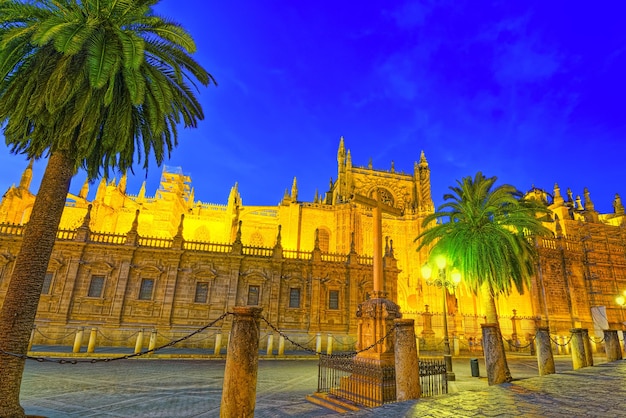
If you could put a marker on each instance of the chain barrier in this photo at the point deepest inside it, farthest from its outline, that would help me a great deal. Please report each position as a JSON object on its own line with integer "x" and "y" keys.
{"x": 342, "y": 344}
{"x": 115, "y": 340}
{"x": 561, "y": 345}
{"x": 348, "y": 354}
{"x": 125, "y": 357}
{"x": 593, "y": 340}
{"x": 517, "y": 345}
{"x": 54, "y": 339}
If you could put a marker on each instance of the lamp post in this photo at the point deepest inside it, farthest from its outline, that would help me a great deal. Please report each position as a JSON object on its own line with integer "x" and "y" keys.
{"x": 444, "y": 282}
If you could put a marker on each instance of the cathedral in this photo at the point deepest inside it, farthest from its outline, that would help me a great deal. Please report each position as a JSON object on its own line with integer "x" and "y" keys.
{"x": 167, "y": 262}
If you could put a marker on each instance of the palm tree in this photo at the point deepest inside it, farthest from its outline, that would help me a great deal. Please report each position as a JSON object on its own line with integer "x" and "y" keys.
{"x": 93, "y": 84}
{"x": 485, "y": 231}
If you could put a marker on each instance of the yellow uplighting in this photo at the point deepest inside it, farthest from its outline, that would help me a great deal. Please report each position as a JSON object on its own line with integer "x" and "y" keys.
{"x": 441, "y": 262}
{"x": 621, "y": 300}
{"x": 426, "y": 271}
{"x": 456, "y": 276}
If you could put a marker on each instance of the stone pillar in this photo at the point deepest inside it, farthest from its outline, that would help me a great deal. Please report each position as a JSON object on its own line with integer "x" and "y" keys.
{"x": 78, "y": 340}
{"x": 318, "y": 343}
{"x": 495, "y": 359}
{"x": 242, "y": 362}
{"x": 579, "y": 358}
{"x": 545, "y": 358}
{"x": 455, "y": 345}
{"x": 588, "y": 348}
{"x": 407, "y": 361}
{"x": 218, "y": 344}
{"x": 281, "y": 346}
{"x": 153, "y": 340}
{"x": 612, "y": 345}
{"x": 91, "y": 346}
{"x": 329, "y": 345}
{"x": 427, "y": 333}
{"x": 270, "y": 344}
{"x": 32, "y": 338}
{"x": 139, "y": 342}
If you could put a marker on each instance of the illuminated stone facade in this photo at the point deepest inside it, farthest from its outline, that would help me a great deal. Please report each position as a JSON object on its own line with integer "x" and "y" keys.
{"x": 173, "y": 263}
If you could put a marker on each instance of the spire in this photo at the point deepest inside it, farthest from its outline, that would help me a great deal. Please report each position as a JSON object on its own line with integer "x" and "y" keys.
{"x": 579, "y": 205}
{"x": 87, "y": 218}
{"x": 341, "y": 152}
{"x": 84, "y": 191}
{"x": 294, "y": 190}
{"x": 132, "y": 237}
{"x": 135, "y": 224}
{"x": 423, "y": 162}
{"x": 393, "y": 167}
{"x": 178, "y": 242}
{"x": 27, "y": 176}
{"x": 279, "y": 238}
{"x": 316, "y": 198}
{"x": 122, "y": 186}
{"x": 83, "y": 231}
{"x": 349, "y": 160}
{"x": 234, "y": 199}
{"x": 102, "y": 190}
{"x": 558, "y": 199}
{"x": 588, "y": 202}
{"x": 142, "y": 191}
{"x": 369, "y": 164}
{"x": 317, "y": 239}
{"x": 618, "y": 208}
{"x": 570, "y": 196}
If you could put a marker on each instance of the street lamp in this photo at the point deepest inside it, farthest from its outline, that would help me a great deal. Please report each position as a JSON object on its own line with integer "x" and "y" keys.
{"x": 444, "y": 282}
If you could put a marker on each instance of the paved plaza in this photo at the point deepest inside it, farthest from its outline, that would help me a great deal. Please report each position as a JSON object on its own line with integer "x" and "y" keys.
{"x": 192, "y": 388}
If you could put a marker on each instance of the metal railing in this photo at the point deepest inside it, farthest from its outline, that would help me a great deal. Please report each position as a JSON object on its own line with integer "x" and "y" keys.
{"x": 366, "y": 382}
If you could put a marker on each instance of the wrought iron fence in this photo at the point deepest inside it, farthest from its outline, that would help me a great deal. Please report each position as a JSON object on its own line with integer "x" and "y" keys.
{"x": 365, "y": 382}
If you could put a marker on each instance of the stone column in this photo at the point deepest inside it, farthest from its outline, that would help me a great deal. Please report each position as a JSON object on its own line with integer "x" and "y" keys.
{"x": 91, "y": 345}
{"x": 139, "y": 342}
{"x": 612, "y": 345}
{"x": 218, "y": 344}
{"x": 242, "y": 361}
{"x": 281, "y": 346}
{"x": 318, "y": 343}
{"x": 427, "y": 333}
{"x": 329, "y": 344}
{"x": 495, "y": 359}
{"x": 270, "y": 344}
{"x": 579, "y": 358}
{"x": 78, "y": 340}
{"x": 545, "y": 358}
{"x": 407, "y": 361}
{"x": 588, "y": 349}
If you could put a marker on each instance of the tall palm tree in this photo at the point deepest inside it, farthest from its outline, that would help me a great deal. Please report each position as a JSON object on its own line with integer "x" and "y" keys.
{"x": 484, "y": 230}
{"x": 93, "y": 84}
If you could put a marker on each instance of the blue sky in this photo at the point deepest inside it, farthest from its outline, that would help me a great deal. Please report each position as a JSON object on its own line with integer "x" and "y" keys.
{"x": 531, "y": 92}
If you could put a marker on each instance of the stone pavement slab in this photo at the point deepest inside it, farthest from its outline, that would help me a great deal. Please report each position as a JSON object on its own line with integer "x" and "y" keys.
{"x": 192, "y": 388}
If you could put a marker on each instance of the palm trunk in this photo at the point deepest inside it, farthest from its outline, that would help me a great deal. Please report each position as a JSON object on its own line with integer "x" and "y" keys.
{"x": 17, "y": 315}
{"x": 493, "y": 346}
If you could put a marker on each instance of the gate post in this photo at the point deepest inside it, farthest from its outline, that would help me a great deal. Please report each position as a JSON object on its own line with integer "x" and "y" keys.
{"x": 545, "y": 358}
{"x": 611, "y": 345}
{"x": 242, "y": 361}
{"x": 407, "y": 361}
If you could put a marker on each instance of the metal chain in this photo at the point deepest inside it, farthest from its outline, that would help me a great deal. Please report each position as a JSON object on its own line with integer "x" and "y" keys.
{"x": 115, "y": 339}
{"x": 348, "y": 354}
{"x": 593, "y": 340}
{"x": 54, "y": 339}
{"x": 561, "y": 345}
{"x": 126, "y": 357}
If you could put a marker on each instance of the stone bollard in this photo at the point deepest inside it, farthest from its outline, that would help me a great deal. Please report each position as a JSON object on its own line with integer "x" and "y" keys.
{"x": 589, "y": 350}
{"x": 153, "y": 340}
{"x": 545, "y": 358}
{"x": 318, "y": 343}
{"x": 329, "y": 345}
{"x": 579, "y": 358}
{"x": 139, "y": 342}
{"x": 242, "y": 361}
{"x": 407, "y": 361}
{"x": 495, "y": 358}
{"x": 270, "y": 344}
{"x": 78, "y": 340}
{"x": 218, "y": 344}
{"x": 91, "y": 345}
{"x": 611, "y": 345}
{"x": 32, "y": 338}
{"x": 455, "y": 344}
{"x": 281, "y": 346}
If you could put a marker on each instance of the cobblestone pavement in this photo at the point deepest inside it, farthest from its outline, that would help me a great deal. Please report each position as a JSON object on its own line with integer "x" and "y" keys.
{"x": 192, "y": 388}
